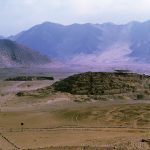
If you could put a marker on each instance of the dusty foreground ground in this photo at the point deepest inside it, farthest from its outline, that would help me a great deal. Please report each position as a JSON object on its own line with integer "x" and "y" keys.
{"x": 55, "y": 122}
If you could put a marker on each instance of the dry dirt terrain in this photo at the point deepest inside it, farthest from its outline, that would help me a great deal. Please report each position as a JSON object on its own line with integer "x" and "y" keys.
{"x": 56, "y": 122}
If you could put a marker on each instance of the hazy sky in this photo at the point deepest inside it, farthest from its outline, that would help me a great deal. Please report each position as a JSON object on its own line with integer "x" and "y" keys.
{"x": 18, "y": 15}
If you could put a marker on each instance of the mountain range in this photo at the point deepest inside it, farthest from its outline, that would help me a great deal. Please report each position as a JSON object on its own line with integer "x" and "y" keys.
{"x": 1, "y": 37}
{"x": 78, "y": 44}
{"x": 90, "y": 43}
{"x": 16, "y": 55}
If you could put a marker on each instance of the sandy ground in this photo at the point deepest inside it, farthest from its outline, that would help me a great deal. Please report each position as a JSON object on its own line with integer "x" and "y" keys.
{"x": 101, "y": 137}
{"x": 57, "y": 121}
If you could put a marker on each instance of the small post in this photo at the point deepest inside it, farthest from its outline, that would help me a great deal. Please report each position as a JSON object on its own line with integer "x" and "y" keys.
{"x": 22, "y": 126}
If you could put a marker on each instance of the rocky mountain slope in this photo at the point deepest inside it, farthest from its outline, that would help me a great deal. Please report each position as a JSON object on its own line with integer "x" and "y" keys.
{"x": 15, "y": 55}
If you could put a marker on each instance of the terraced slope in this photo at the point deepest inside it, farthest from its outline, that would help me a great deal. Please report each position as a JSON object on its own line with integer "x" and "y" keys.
{"x": 104, "y": 83}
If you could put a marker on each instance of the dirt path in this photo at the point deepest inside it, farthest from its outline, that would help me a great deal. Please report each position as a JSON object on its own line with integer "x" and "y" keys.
{"x": 6, "y": 144}
{"x": 78, "y": 128}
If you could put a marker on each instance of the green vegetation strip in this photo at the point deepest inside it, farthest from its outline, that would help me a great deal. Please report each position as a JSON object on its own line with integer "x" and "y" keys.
{"x": 29, "y": 78}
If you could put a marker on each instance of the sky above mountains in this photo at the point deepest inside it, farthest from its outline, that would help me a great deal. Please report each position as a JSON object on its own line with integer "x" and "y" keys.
{"x": 18, "y": 15}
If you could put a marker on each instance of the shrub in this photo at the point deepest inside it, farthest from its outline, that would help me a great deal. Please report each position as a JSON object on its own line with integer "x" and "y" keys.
{"x": 20, "y": 94}
{"x": 140, "y": 96}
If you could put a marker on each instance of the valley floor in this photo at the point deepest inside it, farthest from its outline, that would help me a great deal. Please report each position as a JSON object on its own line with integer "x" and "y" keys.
{"x": 55, "y": 122}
